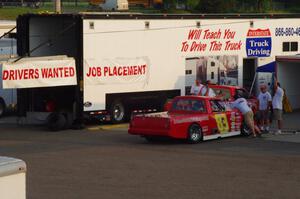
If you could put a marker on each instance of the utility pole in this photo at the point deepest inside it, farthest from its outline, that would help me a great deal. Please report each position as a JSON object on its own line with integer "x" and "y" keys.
{"x": 58, "y": 6}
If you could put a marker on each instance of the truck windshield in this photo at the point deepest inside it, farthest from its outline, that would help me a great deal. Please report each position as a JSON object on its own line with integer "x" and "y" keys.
{"x": 188, "y": 105}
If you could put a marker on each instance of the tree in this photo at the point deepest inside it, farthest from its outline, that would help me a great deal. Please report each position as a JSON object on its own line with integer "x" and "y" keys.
{"x": 169, "y": 4}
{"x": 216, "y": 6}
{"x": 192, "y": 4}
{"x": 263, "y": 5}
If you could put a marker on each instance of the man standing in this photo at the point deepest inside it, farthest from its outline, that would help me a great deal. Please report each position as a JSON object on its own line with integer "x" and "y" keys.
{"x": 277, "y": 105}
{"x": 195, "y": 89}
{"x": 206, "y": 91}
{"x": 242, "y": 105}
{"x": 265, "y": 101}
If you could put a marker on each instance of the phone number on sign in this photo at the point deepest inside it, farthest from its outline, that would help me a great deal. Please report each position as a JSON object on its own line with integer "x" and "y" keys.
{"x": 287, "y": 31}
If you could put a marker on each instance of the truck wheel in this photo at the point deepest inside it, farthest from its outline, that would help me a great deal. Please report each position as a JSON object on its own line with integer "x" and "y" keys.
{"x": 245, "y": 130}
{"x": 2, "y": 108}
{"x": 117, "y": 112}
{"x": 56, "y": 121}
{"x": 194, "y": 134}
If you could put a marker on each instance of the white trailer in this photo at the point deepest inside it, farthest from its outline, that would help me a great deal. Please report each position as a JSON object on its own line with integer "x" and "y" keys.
{"x": 126, "y": 62}
{"x": 287, "y": 72}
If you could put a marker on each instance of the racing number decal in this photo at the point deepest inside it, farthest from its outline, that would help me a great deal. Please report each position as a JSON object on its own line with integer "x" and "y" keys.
{"x": 222, "y": 123}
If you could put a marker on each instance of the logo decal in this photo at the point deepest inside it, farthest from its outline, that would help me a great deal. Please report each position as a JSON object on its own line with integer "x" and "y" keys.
{"x": 259, "y": 43}
{"x": 222, "y": 123}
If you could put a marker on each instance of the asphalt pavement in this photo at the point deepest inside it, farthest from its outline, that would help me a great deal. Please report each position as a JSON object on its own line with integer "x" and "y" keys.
{"x": 103, "y": 161}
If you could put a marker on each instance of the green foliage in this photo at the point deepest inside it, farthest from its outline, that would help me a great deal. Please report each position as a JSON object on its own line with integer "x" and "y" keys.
{"x": 216, "y": 6}
{"x": 192, "y": 4}
{"x": 170, "y": 4}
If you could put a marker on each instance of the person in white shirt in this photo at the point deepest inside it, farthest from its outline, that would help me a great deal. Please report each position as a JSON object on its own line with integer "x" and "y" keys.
{"x": 195, "y": 89}
{"x": 277, "y": 105}
{"x": 242, "y": 105}
{"x": 206, "y": 91}
{"x": 265, "y": 101}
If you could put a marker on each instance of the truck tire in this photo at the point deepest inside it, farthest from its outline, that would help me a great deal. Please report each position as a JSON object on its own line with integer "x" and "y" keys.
{"x": 2, "y": 107}
{"x": 245, "y": 131}
{"x": 194, "y": 134}
{"x": 56, "y": 121}
{"x": 117, "y": 112}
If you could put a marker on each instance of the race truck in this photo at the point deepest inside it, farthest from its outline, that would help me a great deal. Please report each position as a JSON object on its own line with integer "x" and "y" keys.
{"x": 226, "y": 92}
{"x": 194, "y": 118}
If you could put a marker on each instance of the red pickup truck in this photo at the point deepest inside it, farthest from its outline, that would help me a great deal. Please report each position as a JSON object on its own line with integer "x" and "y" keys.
{"x": 194, "y": 118}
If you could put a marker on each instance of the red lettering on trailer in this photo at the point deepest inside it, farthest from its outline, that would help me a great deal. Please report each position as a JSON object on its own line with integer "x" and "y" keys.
{"x": 20, "y": 74}
{"x": 233, "y": 45}
{"x": 228, "y": 34}
{"x": 58, "y": 72}
{"x": 117, "y": 71}
{"x": 5, "y": 74}
{"x": 212, "y": 34}
{"x": 93, "y": 71}
{"x": 194, "y": 34}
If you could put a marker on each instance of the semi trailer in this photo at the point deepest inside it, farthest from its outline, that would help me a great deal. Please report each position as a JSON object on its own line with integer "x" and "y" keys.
{"x": 135, "y": 62}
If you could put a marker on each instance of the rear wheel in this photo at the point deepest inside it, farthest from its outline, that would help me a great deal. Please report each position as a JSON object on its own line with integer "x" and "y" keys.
{"x": 194, "y": 134}
{"x": 117, "y": 112}
{"x": 56, "y": 121}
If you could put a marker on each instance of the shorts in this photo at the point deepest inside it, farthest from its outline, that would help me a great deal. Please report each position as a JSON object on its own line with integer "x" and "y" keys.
{"x": 277, "y": 114}
{"x": 263, "y": 114}
{"x": 248, "y": 117}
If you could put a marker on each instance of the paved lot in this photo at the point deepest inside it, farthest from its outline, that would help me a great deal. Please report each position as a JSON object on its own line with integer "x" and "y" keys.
{"x": 106, "y": 162}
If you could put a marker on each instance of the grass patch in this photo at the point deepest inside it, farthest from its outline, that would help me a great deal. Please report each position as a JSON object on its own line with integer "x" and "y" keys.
{"x": 11, "y": 13}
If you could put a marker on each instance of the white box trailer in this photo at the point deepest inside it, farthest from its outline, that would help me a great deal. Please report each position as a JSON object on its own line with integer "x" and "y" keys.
{"x": 287, "y": 73}
{"x": 126, "y": 62}
{"x": 12, "y": 178}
